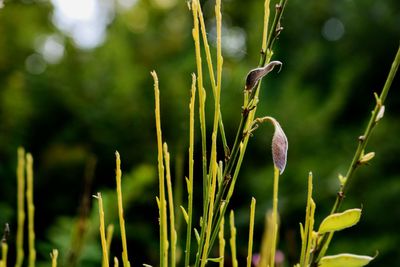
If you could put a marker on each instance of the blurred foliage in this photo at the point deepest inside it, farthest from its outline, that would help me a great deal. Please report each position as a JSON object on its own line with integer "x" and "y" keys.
{"x": 95, "y": 101}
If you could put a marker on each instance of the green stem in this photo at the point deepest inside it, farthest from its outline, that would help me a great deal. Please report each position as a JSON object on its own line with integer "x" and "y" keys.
{"x": 241, "y": 140}
{"x": 275, "y": 215}
{"x": 251, "y": 231}
{"x": 190, "y": 185}
{"x": 21, "y": 207}
{"x": 162, "y": 201}
{"x": 355, "y": 163}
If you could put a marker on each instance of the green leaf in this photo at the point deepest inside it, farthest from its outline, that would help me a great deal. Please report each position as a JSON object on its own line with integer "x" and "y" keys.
{"x": 345, "y": 259}
{"x": 339, "y": 221}
{"x": 219, "y": 259}
{"x": 185, "y": 215}
{"x": 196, "y": 233}
{"x": 158, "y": 202}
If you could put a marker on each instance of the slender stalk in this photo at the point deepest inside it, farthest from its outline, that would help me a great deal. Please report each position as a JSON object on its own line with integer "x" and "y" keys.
{"x": 191, "y": 163}
{"x": 4, "y": 252}
{"x": 310, "y": 239}
{"x": 242, "y": 136}
{"x": 118, "y": 175}
{"x": 216, "y": 84}
{"x": 102, "y": 229}
{"x": 232, "y": 240}
{"x": 307, "y": 228}
{"x": 210, "y": 213}
{"x": 31, "y": 210}
{"x": 19, "y": 242}
{"x": 173, "y": 234}
{"x": 265, "y": 30}
{"x": 275, "y": 214}
{"x": 355, "y": 163}
{"x": 109, "y": 234}
{"x": 250, "y": 106}
{"x": 221, "y": 243}
{"x": 162, "y": 201}
{"x": 251, "y": 231}
{"x": 266, "y": 241}
{"x": 116, "y": 263}
{"x": 54, "y": 256}
{"x": 276, "y": 25}
{"x": 202, "y": 99}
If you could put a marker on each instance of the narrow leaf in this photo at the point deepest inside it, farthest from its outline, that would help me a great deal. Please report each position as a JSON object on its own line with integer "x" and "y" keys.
{"x": 345, "y": 259}
{"x": 158, "y": 202}
{"x": 339, "y": 221}
{"x": 196, "y": 233}
{"x": 367, "y": 157}
{"x": 219, "y": 259}
{"x": 185, "y": 215}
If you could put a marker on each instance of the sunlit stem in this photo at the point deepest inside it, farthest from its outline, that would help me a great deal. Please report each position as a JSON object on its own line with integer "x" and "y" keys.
{"x": 31, "y": 210}
{"x": 4, "y": 252}
{"x": 251, "y": 231}
{"x": 363, "y": 140}
{"x": 109, "y": 234}
{"x": 232, "y": 240}
{"x": 221, "y": 243}
{"x": 54, "y": 256}
{"x": 275, "y": 215}
{"x": 105, "y": 262}
{"x": 173, "y": 234}
{"x": 216, "y": 84}
{"x": 162, "y": 201}
{"x": 19, "y": 242}
{"x": 118, "y": 175}
{"x": 191, "y": 166}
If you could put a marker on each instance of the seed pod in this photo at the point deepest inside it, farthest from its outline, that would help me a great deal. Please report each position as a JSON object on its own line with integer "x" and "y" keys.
{"x": 279, "y": 147}
{"x": 256, "y": 74}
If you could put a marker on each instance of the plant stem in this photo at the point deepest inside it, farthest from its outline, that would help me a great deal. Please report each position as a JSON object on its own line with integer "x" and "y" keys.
{"x": 191, "y": 163}
{"x": 215, "y": 84}
{"x": 242, "y": 136}
{"x": 355, "y": 163}
{"x": 31, "y": 210}
{"x": 19, "y": 242}
{"x": 118, "y": 175}
{"x": 210, "y": 214}
{"x": 54, "y": 256}
{"x": 171, "y": 206}
{"x": 105, "y": 262}
{"x": 274, "y": 215}
{"x": 221, "y": 243}
{"x": 251, "y": 231}
{"x": 202, "y": 99}
{"x": 162, "y": 201}
{"x": 232, "y": 240}
{"x": 109, "y": 234}
{"x": 4, "y": 252}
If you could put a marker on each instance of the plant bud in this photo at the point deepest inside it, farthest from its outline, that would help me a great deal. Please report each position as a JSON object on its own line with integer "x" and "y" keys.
{"x": 367, "y": 157}
{"x": 279, "y": 147}
{"x": 381, "y": 112}
{"x": 256, "y": 74}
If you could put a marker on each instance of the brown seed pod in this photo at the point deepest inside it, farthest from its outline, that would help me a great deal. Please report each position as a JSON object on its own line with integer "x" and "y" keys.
{"x": 256, "y": 74}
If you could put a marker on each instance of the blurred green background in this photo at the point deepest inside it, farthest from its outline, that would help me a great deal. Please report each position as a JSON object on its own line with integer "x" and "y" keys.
{"x": 75, "y": 86}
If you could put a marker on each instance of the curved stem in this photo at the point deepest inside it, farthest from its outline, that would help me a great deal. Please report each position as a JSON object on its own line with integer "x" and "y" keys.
{"x": 355, "y": 163}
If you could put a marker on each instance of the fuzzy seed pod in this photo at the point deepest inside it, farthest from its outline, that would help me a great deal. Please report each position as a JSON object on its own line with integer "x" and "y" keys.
{"x": 279, "y": 147}
{"x": 256, "y": 74}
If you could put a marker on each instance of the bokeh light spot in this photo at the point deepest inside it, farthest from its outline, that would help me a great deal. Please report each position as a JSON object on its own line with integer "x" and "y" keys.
{"x": 35, "y": 64}
{"x": 333, "y": 29}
